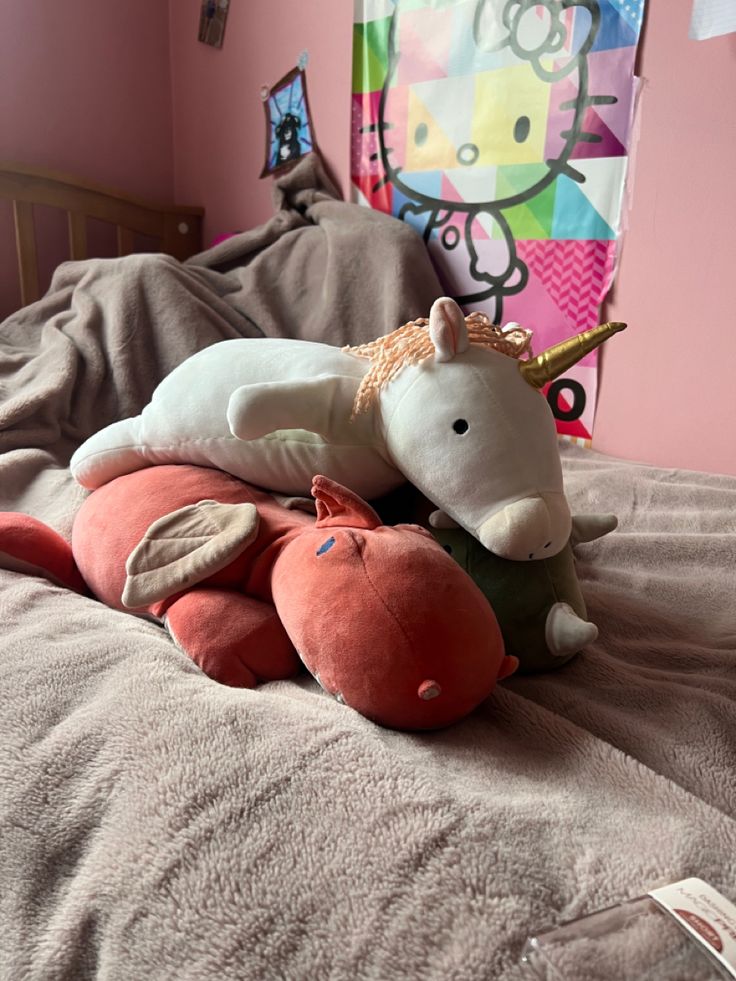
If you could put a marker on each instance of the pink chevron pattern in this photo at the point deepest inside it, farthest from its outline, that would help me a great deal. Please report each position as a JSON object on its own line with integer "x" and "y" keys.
{"x": 576, "y": 273}
{"x": 364, "y": 145}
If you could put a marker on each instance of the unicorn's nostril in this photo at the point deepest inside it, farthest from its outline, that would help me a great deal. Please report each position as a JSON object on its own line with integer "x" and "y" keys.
{"x": 467, "y": 154}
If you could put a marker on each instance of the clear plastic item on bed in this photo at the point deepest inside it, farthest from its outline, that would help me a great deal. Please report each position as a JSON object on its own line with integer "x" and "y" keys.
{"x": 685, "y": 931}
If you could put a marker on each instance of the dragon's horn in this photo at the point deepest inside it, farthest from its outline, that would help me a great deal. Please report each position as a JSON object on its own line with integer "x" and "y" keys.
{"x": 557, "y": 359}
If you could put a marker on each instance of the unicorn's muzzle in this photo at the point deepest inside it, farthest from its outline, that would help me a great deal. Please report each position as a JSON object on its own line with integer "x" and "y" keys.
{"x": 535, "y": 527}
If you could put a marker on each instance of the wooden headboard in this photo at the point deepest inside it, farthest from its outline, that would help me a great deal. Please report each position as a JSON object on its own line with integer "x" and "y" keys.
{"x": 177, "y": 230}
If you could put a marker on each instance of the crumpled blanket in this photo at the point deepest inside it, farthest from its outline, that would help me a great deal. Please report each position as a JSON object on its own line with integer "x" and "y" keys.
{"x": 154, "y": 824}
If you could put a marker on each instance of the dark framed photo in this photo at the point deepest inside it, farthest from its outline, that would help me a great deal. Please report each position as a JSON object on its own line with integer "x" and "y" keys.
{"x": 289, "y": 128}
{"x": 212, "y": 20}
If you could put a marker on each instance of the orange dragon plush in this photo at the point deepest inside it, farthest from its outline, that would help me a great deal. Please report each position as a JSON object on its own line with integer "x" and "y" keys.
{"x": 381, "y": 616}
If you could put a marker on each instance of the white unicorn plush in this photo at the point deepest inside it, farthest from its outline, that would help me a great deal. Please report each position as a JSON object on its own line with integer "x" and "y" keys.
{"x": 447, "y": 404}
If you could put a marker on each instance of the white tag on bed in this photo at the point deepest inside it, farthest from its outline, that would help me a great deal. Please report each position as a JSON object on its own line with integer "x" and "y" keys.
{"x": 705, "y": 914}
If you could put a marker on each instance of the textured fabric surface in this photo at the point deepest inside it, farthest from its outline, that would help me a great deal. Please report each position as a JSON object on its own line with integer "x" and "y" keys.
{"x": 154, "y": 824}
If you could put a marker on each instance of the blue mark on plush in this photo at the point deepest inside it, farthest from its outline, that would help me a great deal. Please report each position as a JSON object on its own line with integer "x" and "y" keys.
{"x": 326, "y": 547}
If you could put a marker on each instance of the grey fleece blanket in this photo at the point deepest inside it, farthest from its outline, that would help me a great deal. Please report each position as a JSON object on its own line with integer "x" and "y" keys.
{"x": 156, "y": 825}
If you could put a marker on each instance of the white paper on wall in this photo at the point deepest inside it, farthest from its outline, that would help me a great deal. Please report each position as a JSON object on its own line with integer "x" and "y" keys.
{"x": 711, "y": 18}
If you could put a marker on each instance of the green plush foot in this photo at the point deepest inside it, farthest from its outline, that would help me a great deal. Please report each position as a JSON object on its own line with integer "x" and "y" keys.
{"x": 565, "y": 632}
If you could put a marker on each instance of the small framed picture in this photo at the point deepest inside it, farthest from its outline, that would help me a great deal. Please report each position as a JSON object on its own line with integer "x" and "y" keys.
{"x": 289, "y": 128}
{"x": 212, "y": 20}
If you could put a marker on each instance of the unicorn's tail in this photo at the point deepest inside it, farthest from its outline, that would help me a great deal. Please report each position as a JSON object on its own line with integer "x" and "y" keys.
{"x": 28, "y": 545}
{"x": 109, "y": 453}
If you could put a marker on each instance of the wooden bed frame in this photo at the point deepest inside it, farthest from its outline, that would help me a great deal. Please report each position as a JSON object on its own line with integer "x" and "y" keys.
{"x": 177, "y": 230}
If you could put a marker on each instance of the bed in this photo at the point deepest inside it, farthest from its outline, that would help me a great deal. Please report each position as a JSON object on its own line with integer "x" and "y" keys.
{"x": 155, "y": 824}
{"x": 170, "y": 229}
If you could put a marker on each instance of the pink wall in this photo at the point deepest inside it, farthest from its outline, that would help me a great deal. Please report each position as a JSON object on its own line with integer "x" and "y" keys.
{"x": 668, "y": 384}
{"x": 219, "y": 128}
{"x": 86, "y": 89}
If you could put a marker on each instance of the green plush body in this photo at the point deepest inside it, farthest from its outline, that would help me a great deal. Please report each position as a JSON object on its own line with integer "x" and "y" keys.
{"x": 521, "y": 594}
{"x": 538, "y": 604}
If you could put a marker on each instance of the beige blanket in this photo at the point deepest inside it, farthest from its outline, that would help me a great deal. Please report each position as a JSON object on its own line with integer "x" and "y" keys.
{"x": 155, "y": 825}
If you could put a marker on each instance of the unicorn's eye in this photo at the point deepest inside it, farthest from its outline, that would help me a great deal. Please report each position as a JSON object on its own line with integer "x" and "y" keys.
{"x": 521, "y": 129}
{"x": 420, "y": 134}
{"x": 460, "y": 426}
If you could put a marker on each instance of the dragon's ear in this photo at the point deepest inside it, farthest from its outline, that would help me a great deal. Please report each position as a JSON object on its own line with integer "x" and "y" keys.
{"x": 339, "y": 507}
{"x": 447, "y": 329}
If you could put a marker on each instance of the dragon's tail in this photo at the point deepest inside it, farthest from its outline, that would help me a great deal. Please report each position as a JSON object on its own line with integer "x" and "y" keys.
{"x": 28, "y": 545}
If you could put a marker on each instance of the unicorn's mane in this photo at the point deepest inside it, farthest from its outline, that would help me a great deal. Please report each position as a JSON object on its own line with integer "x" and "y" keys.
{"x": 412, "y": 344}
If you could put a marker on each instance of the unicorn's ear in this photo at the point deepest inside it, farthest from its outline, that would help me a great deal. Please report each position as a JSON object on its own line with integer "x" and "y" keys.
{"x": 447, "y": 329}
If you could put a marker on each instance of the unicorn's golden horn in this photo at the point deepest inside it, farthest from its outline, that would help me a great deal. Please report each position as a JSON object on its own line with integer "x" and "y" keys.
{"x": 557, "y": 359}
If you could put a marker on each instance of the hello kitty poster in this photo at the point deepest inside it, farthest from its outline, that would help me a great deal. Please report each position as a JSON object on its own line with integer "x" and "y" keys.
{"x": 501, "y": 129}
